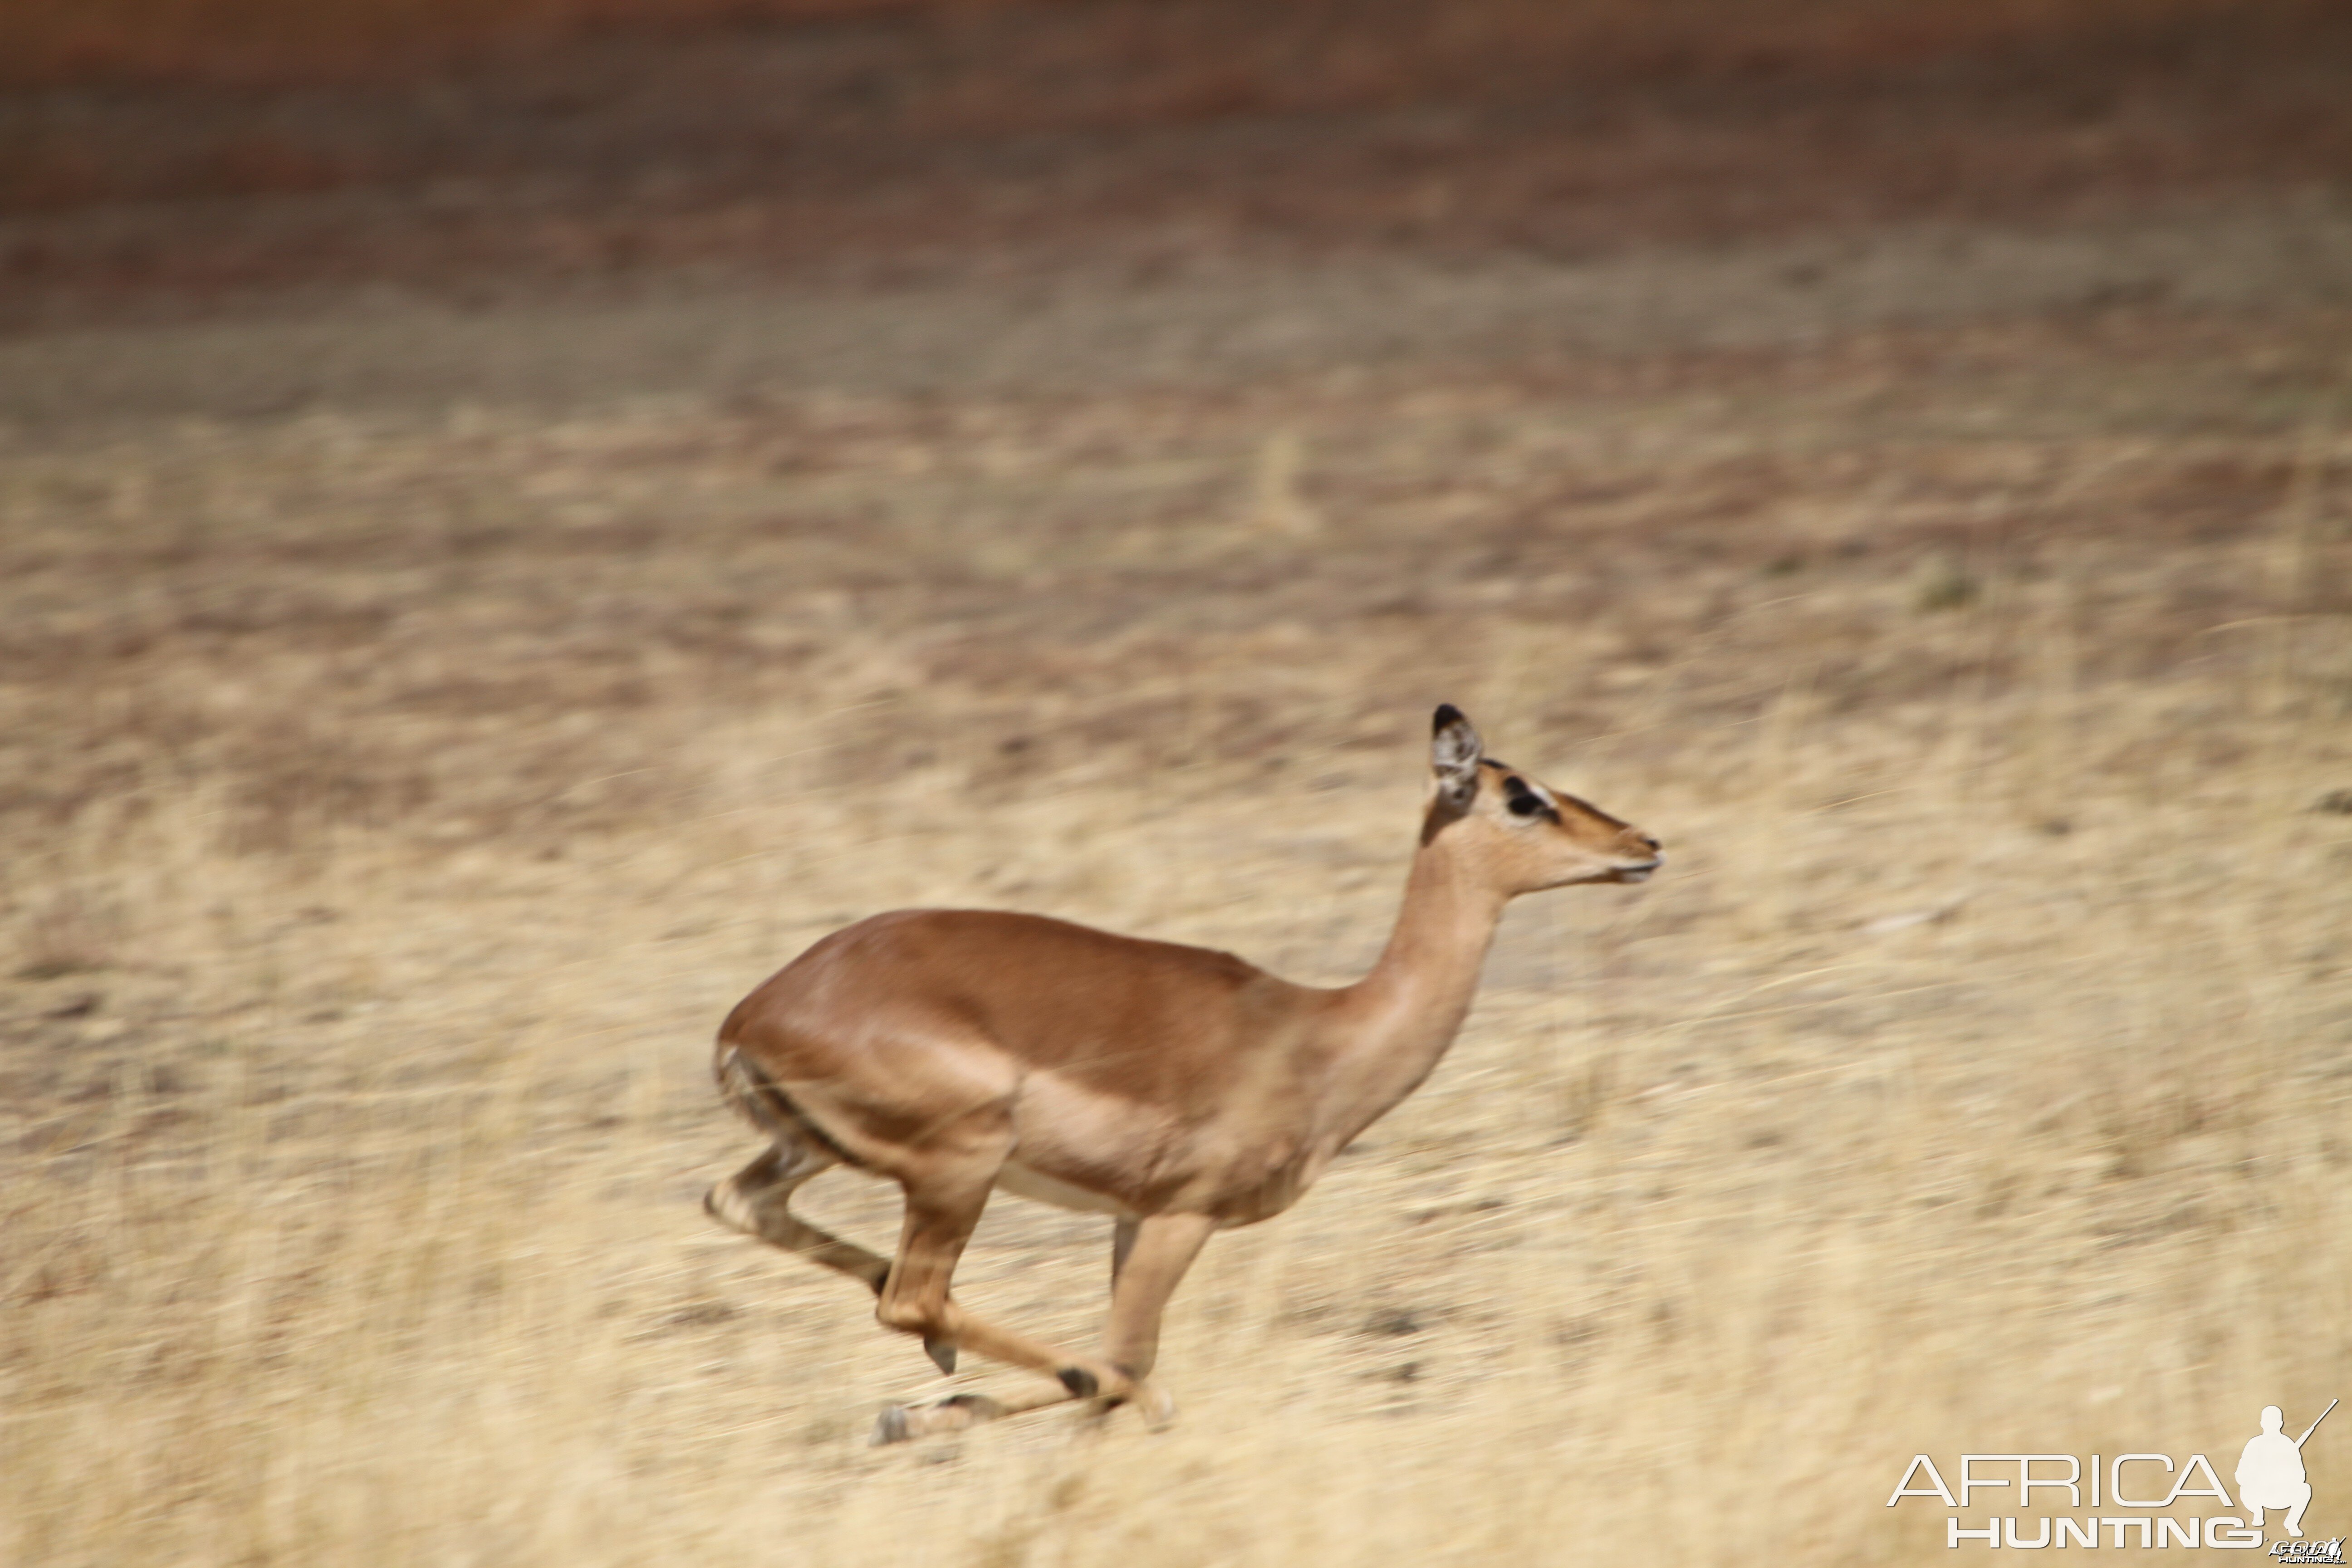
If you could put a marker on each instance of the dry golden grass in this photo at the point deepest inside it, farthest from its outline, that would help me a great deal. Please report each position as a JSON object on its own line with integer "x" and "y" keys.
{"x": 395, "y": 806}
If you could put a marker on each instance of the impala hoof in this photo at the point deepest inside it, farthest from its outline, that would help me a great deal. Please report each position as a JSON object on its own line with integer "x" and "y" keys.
{"x": 1079, "y": 1382}
{"x": 942, "y": 1354}
{"x": 1157, "y": 1408}
{"x": 897, "y": 1423}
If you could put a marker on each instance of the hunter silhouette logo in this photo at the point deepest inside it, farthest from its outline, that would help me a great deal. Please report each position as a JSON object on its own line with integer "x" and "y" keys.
{"x": 2270, "y": 1473}
{"x": 2270, "y": 1477}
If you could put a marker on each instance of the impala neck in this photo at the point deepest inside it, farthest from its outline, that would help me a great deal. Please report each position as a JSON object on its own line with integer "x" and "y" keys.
{"x": 1398, "y": 1020}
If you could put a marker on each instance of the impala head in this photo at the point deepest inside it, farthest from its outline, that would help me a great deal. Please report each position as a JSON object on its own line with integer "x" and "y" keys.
{"x": 1528, "y": 835}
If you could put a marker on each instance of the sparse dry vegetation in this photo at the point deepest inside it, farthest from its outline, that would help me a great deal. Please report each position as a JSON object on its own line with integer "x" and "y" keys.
{"x": 397, "y": 792}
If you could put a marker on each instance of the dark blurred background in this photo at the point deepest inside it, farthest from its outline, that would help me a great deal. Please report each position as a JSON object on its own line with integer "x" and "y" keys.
{"x": 172, "y": 154}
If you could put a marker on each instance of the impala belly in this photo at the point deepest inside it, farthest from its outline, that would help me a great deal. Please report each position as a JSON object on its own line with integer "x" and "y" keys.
{"x": 1024, "y": 1183}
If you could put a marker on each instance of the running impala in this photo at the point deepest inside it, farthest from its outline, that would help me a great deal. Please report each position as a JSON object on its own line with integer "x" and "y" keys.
{"x": 1178, "y": 1089}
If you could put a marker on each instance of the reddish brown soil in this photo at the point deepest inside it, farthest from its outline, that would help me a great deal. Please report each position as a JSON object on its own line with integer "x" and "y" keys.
{"x": 247, "y": 149}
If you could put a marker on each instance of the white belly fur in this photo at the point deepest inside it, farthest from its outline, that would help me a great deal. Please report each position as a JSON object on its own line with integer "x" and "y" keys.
{"x": 1024, "y": 1183}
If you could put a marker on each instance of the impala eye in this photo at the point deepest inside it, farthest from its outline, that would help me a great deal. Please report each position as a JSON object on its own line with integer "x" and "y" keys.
{"x": 1525, "y": 801}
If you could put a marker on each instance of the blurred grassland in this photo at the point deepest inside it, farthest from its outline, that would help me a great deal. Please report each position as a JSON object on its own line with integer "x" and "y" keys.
{"x": 50, "y": 43}
{"x": 395, "y": 803}
{"x": 168, "y": 159}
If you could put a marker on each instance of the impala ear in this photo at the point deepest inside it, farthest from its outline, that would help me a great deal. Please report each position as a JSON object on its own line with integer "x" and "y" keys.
{"x": 1453, "y": 752}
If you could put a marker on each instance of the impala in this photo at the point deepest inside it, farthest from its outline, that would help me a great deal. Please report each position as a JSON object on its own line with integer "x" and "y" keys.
{"x": 1179, "y": 1089}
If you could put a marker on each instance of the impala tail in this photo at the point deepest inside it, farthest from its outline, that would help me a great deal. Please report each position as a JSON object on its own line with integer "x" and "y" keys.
{"x": 752, "y": 1093}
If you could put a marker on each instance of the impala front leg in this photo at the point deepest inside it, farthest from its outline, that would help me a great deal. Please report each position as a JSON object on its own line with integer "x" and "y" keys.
{"x": 914, "y": 1300}
{"x": 1148, "y": 1260}
{"x": 1151, "y": 1257}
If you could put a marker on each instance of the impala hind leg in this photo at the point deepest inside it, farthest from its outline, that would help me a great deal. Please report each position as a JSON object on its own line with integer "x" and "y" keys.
{"x": 941, "y": 1217}
{"x": 1150, "y": 1257}
{"x": 757, "y": 1199}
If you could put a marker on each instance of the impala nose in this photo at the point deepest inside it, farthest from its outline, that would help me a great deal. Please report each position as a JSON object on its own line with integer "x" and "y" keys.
{"x": 1641, "y": 856}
